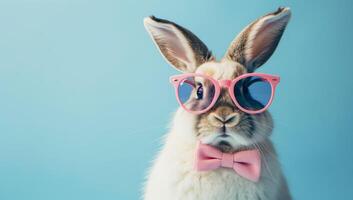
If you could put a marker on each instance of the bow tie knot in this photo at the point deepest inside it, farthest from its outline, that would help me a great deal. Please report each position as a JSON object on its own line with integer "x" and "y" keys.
{"x": 227, "y": 160}
{"x": 246, "y": 163}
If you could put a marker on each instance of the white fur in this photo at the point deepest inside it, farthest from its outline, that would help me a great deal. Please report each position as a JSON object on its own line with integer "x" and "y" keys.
{"x": 173, "y": 177}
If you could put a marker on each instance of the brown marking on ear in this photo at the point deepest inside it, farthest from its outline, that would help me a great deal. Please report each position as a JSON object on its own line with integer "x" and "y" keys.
{"x": 279, "y": 10}
{"x": 181, "y": 48}
{"x": 201, "y": 52}
{"x": 163, "y": 46}
{"x": 236, "y": 50}
{"x": 258, "y": 41}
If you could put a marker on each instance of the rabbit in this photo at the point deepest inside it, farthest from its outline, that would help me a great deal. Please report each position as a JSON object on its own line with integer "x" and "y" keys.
{"x": 173, "y": 176}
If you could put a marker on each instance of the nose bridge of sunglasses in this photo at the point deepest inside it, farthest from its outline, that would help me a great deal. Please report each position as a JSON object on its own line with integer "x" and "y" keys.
{"x": 225, "y": 83}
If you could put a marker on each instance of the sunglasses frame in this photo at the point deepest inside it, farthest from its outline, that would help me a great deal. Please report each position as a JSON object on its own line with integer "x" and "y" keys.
{"x": 229, "y": 84}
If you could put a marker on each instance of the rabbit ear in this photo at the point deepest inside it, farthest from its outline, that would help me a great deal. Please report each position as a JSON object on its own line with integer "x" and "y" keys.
{"x": 256, "y": 43}
{"x": 180, "y": 47}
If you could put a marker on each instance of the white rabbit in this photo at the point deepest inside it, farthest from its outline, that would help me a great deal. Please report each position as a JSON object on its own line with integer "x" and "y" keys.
{"x": 172, "y": 176}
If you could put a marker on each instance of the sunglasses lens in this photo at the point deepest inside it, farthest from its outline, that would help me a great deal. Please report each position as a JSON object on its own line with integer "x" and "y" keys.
{"x": 253, "y": 93}
{"x": 196, "y": 93}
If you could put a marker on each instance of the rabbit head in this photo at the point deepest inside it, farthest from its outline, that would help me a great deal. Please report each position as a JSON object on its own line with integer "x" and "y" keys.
{"x": 224, "y": 126}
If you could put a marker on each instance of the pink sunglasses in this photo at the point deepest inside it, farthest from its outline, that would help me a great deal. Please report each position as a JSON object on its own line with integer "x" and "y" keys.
{"x": 252, "y": 92}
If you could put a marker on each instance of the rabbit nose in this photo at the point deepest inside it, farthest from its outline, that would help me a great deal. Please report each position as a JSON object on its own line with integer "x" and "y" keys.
{"x": 228, "y": 120}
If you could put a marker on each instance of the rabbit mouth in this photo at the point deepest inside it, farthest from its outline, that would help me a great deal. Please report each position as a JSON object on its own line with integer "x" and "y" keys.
{"x": 224, "y": 146}
{"x": 227, "y": 142}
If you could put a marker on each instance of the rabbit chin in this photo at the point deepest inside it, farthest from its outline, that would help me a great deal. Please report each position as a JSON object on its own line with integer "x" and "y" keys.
{"x": 229, "y": 142}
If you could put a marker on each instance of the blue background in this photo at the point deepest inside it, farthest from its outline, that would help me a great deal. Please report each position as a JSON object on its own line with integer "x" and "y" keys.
{"x": 85, "y": 98}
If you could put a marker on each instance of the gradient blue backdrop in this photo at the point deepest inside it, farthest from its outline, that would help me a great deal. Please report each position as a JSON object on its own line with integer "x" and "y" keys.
{"x": 84, "y": 94}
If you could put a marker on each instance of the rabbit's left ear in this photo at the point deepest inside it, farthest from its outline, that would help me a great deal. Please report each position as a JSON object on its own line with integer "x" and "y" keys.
{"x": 256, "y": 43}
{"x": 181, "y": 48}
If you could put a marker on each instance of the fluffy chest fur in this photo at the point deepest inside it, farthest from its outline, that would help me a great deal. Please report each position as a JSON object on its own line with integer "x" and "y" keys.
{"x": 173, "y": 177}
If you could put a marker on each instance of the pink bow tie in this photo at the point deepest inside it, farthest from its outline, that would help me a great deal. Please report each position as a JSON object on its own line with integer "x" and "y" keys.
{"x": 246, "y": 163}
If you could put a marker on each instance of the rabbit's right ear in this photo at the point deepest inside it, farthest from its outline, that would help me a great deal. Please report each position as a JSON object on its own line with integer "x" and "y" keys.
{"x": 179, "y": 46}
